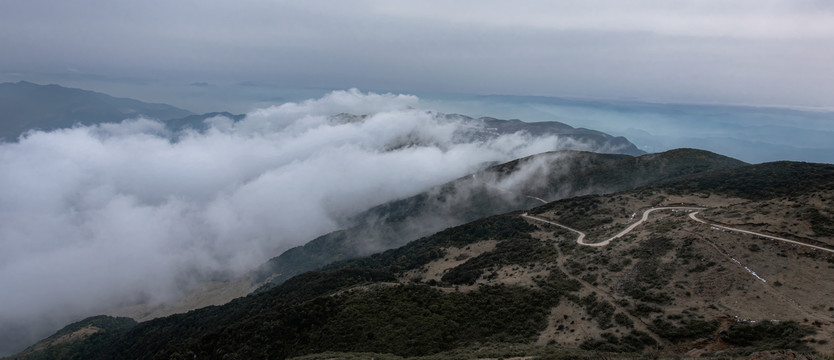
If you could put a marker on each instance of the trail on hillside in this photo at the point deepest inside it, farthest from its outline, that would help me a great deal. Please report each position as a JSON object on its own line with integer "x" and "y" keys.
{"x": 639, "y": 324}
{"x": 771, "y": 237}
{"x": 580, "y": 239}
{"x": 537, "y": 198}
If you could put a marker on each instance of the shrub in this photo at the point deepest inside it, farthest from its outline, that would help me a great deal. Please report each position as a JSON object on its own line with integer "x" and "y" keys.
{"x": 623, "y": 320}
{"x": 688, "y": 329}
{"x": 600, "y": 310}
{"x": 768, "y": 335}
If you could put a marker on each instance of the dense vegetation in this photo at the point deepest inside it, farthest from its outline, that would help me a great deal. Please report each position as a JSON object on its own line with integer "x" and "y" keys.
{"x": 402, "y": 319}
{"x": 686, "y": 329}
{"x": 767, "y": 335}
{"x": 62, "y": 344}
{"x": 632, "y": 342}
{"x": 648, "y": 169}
{"x": 418, "y": 320}
{"x": 760, "y": 182}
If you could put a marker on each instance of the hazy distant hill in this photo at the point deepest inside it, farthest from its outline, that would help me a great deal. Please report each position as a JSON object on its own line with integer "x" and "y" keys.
{"x": 750, "y": 133}
{"x": 514, "y": 286}
{"x": 197, "y": 122}
{"x": 25, "y": 106}
{"x": 473, "y": 130}
{"x": 516, "y": 185}
{"x": 488, "y": 127}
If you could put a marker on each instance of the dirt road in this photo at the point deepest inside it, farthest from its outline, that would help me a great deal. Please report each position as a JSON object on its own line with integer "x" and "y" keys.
{"x": 581, "y": 235}
{"x": 580, "y": 239}
{"x": 693, "y": 217}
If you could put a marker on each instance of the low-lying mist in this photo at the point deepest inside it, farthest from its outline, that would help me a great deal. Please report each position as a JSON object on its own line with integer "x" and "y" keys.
{"x": 96, "y": 217}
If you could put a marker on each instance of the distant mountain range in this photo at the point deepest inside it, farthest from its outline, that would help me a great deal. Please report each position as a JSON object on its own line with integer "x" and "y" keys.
{"x": 488, "y": 127}
{"x": 27, "y": 106}
{"x": 750, "y": 133}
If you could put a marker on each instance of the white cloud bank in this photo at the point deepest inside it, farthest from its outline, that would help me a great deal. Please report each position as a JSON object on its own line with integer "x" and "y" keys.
{"x": 118, "y": 213}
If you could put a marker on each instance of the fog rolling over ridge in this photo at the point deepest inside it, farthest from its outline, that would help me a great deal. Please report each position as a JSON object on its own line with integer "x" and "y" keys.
{"x": 516, "y": 185}
{"x": 121, "y": 213}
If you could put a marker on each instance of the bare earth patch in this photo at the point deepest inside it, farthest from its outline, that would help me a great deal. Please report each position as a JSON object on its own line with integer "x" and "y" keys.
{"x": 454, "y": 257}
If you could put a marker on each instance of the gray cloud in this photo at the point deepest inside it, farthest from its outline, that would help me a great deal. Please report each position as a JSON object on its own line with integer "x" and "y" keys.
{"x": 740, "y": 19}
{"x": 764, "y": 52}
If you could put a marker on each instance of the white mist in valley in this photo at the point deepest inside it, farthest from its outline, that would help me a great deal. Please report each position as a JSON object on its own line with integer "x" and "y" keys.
{"x": 115, "y": 214}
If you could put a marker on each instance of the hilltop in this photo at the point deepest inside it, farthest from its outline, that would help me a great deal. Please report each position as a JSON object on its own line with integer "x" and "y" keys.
{"x": 704, "y": 273}
{"x": 489, "y": 127}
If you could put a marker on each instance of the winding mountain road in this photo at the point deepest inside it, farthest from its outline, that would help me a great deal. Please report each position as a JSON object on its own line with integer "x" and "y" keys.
{"x": 580, "y": 239}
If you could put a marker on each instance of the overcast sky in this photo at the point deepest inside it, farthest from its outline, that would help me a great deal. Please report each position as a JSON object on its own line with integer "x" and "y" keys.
{"x": 741, "y": 51}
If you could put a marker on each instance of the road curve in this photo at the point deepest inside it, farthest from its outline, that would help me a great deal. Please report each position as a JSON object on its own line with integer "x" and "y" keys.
{"x": 537, "y": 198}
{"x": 646, "y": 217}
{"x": 581, "y": 238}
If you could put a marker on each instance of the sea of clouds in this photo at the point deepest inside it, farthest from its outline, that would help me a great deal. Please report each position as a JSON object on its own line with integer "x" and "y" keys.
{"x": 100, "y": 216}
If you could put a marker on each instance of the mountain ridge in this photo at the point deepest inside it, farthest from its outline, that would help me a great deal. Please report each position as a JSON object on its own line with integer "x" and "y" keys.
{"x": 581, "y": 173}
{"x": 27, "y": 106}
{"x": 493, "y": 126}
